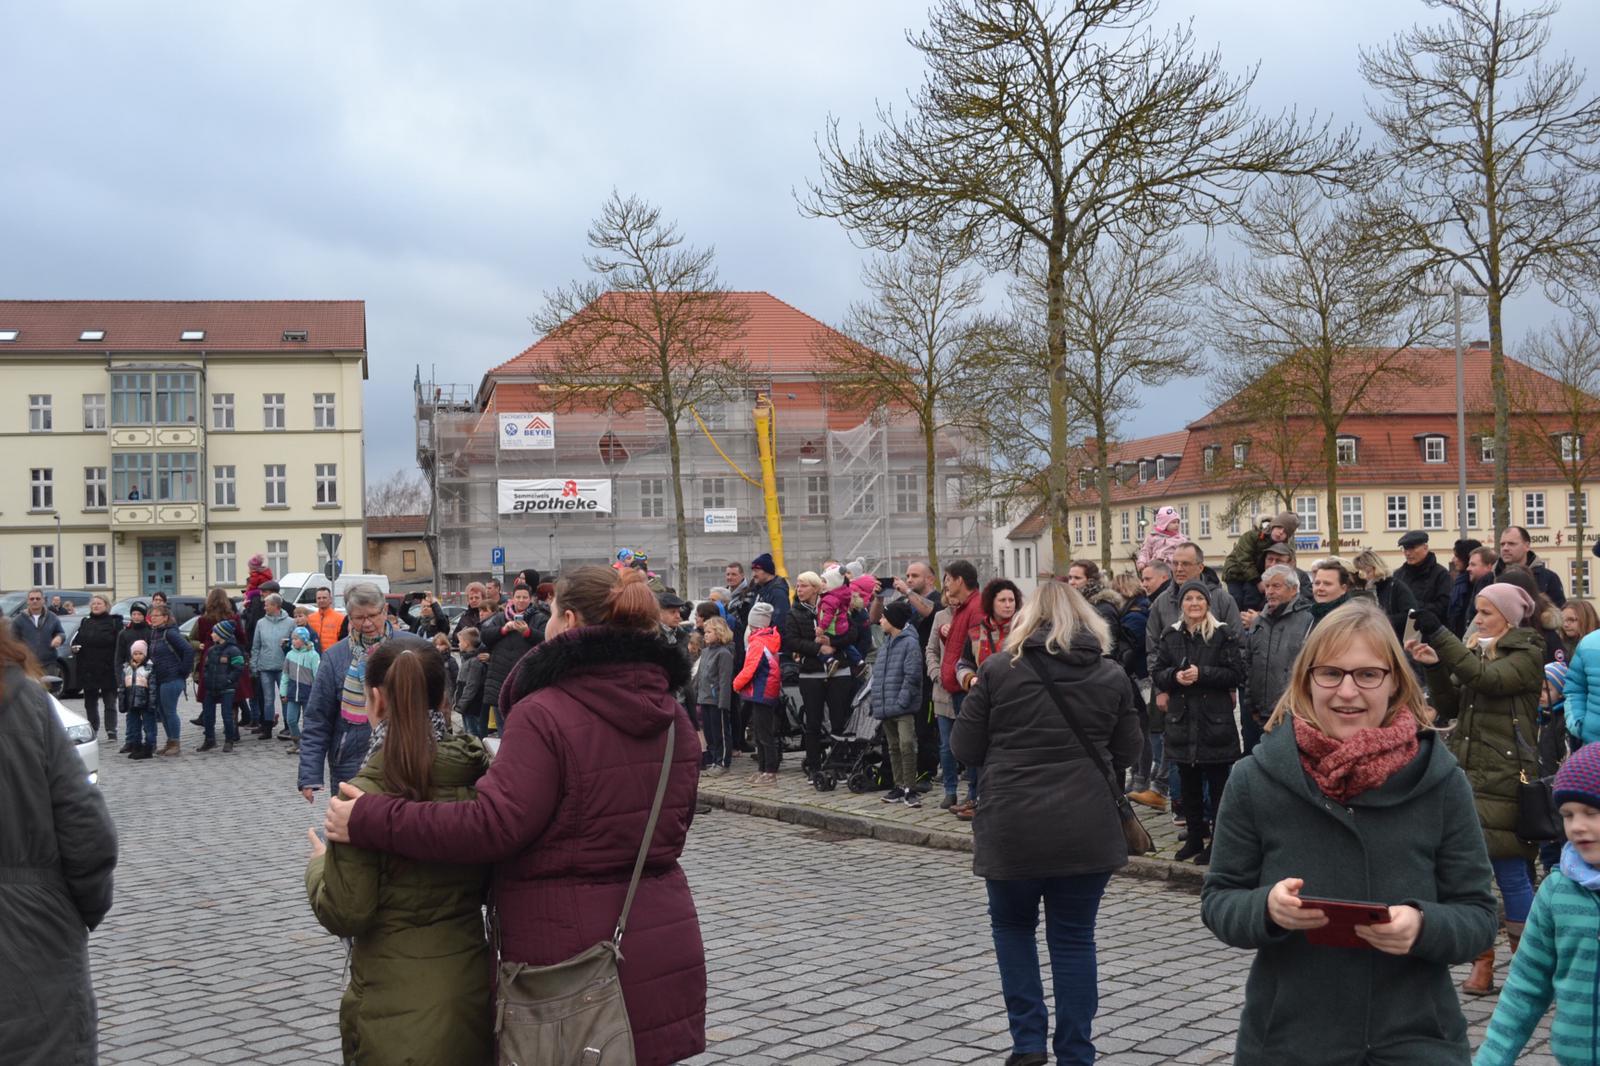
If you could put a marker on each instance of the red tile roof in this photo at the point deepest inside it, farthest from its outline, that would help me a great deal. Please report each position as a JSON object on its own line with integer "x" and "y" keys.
{"x": 410, "y": 525}
{"x": 1033, "y": 526}
{"x": 155, "y": 325}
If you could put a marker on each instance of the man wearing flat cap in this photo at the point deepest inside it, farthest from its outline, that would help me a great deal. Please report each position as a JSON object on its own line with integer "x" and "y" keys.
{"x": 1428, "y": 581}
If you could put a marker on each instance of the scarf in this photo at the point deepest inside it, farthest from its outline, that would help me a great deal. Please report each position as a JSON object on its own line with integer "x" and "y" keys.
{"x": 1578, "y": 871}
{"x": 1319, "y": 611}
{"x": 991, "y": 634}
{"x": 380, "y": 730}
{"x": 1343, "y": 769}
{"x": 353, "y": 697}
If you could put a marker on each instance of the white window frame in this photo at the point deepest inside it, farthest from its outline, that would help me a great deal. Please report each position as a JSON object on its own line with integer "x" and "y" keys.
{"x": 277, "y": 556}
{"x": 1002, "y": 563}
{"x": 1486, "y": 450}
{"x": 1432, "y": 516}
{"x": 41, "y": 413}
{"x": 275, "y": 483}
{"x": 1306, "y": 508}
{"x": 1575, "y": 501}
{"x": 1472, "y": 509}
{"x": 1127, "y": 522}
{"x": 817, "y": 503}
{"x": 1578, "y": 578}
{"x": 653, "y": 497}
{"x": 42, "y": 488}
{"x": 1397, "y": 518}
{"x": 1092, "y": 517}
{"x": 908, "y": 494}
{"x": 1241, "y": 452}
{"x": 1430, "y": 453}
{"x": 1352, "y": 513}
{"x": 44, "y": 565}
{"x": 1533, "y": 506}
{"x": 1571, "y": 448}
{"x": 324, "y": 410}
{"x": 1183, "y": 519}
{"x": 225, "y": 562}
{"x": 1205, "y": 519}
{"x": 95, "y": 564}
{"x": 273, "y": 412}
{"x": 1344, "y": 450}
{"x": 714, "y": 492}
{"x": 225, "y": 486}
{"x": 1027, "y": 559}
{"x": 96, "y": 488}
{"x": 1233, "y": 525}
{"x": 94, "y": 412}
{"x": 222, "y": 419}
{"x": 327, "y": 481}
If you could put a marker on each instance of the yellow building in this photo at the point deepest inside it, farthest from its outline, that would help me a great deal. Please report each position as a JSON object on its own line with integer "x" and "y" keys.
{"x": 161, "y": 444}
{"x": 1397, "y": 472}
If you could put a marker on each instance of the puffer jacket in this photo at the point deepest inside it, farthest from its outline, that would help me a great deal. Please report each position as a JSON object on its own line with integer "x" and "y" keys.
{"x": 714, "y": 680}
{"x": 57, "y": 851}
{"x": 420, "y": 965}
{"x": 1200, "y": 726}
{"x": 299, "y": 675}
{"x": 505, "y": 647}
{"x": 760, "y": 680}
{"x": 1494, "y": 704}
{"x": 126, "y": 640}
{"x": 1583, "y": 690}
{"x": 897, "y": 677}
{"x": 561, "y": 813}
{"x": 1047, "y": 810}
{"x": 171, "y": 657}
{"x": 800, "y": 644}
{"x": 1108, "y": 604}
{"x": 224, "y": 665}
{"x": 1267, "y": 651}
{"x": 1244, "y": 561}
{"x": 96, "y": 657}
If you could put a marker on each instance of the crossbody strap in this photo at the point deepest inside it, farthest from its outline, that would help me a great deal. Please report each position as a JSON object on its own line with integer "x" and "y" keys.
{"x": 649, "y": 833}
{"x": 1117, "y": 798}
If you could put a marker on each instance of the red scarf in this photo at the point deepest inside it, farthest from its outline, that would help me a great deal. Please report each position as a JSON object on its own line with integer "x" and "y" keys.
{"x": 1343, "y": 769}
{"x": 990, "y": 635}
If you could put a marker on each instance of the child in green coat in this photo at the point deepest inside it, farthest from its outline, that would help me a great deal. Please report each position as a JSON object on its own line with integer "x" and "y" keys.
{"x": 1559, "y": 956}
{"x": 420, "y": 966}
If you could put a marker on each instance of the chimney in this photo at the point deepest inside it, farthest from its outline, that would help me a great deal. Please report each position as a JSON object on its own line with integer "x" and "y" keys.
{"x": 1479, "y": 346}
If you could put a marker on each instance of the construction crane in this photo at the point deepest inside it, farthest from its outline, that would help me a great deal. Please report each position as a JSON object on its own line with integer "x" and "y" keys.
{"x": 766, "y": 425}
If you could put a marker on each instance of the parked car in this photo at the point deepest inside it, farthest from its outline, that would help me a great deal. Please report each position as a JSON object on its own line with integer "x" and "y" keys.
{"x": 301, "y": 587}
{"x": 78, "y": 731}
{"x": 66, "y": 660}
{"x": 13, "y": 603}
{"x": 183, "y": 607}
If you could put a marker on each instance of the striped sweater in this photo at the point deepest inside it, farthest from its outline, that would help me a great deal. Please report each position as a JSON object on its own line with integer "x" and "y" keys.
{"x": 1559, "y": 958}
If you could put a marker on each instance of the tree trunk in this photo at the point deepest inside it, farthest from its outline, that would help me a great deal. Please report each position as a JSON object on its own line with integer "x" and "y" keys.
{"x": 675, "y": 457}
{"x": 1056, "y": 350}
{"x": 931, "y": 470}
{"x": 1330, "y": 462}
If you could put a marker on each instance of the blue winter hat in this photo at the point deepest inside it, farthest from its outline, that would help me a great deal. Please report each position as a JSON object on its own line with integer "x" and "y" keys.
{"x": 1578, "y": 780}
{"x": 303, "y": 634}
{"x": 1555, "y": 675}
{"x": 223, "y": 629}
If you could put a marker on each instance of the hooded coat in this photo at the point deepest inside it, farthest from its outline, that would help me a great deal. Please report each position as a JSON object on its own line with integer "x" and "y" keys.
{"x": 1413, "y": 840}
{"x": 561, "y": 813}
{"x": 96, "y": 657}
{"x": 1430, "y": 584}
{"x": 1494, "y": 704}
{"x": 1267, "y": 650}
{"x": 57, "y": 850}
{"x": 1200, "y": 727}
{"x": 1047, "y": 810}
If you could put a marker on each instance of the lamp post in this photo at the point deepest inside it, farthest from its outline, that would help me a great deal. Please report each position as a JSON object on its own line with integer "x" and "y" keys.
{"x": 1456, "y": 291}
{"x": 57, "y": 568}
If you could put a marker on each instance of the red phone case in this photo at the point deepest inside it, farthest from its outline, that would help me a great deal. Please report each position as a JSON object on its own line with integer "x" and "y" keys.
{"x": 1343, "y": 917}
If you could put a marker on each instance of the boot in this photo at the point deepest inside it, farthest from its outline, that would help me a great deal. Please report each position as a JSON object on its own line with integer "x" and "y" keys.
{"x": 1514, "y": 934}
{"x": 111, "y": 732}
{"x": 208, "y": 744}
{"x": 171, "y": 749}
{"x": 1194, "y": 843}
{"x": 1149, "y": 797}
{"x": 1480, "y": 982}
{"x": 143, "y": 751}
{"x": 126, "y": 748}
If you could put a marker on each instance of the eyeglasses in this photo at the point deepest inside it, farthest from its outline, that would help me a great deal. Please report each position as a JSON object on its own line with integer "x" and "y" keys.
{"x": 1367, "y": 677}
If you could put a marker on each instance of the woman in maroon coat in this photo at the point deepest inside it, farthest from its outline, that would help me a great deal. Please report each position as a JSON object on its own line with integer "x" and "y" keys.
{"x": 564, "y": 804}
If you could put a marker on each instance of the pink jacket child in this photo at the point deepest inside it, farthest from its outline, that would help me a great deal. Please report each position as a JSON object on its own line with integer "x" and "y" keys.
{"x": 833, "y": 615}
{"x": 1162, "y": 540}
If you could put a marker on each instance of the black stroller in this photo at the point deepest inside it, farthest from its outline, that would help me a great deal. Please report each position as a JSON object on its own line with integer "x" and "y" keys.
{"x": 855, "y": 757}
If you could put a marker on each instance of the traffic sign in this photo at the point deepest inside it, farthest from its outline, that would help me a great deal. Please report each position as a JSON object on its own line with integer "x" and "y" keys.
{"x": 497, "y": 557}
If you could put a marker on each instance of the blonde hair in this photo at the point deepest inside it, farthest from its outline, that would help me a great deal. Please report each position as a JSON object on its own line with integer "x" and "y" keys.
{"x": 1062, "y": 610}
{"x": 1367, "y": 559}
{"x": 1208, "y": 625}
{"x": 1356, "y": 621}
{"x": 716, "y": 631}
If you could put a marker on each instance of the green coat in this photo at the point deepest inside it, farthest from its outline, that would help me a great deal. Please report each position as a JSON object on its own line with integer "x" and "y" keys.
{"x": 1244, "y": 561}
{"x": 420, "y": 967}
{"x": 1485, "y": 698}
{"x": 1414, "y": 840}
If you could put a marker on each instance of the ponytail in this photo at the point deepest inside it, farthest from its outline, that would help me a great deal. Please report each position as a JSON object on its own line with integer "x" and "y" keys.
{"x": 412, "y": 680}
{"x": 599, "y": 595}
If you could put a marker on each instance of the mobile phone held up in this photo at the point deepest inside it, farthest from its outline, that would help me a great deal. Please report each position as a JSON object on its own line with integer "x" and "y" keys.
{"x": 1410, "y": 633}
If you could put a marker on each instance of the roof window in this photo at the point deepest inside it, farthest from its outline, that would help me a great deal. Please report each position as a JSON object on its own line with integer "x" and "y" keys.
{"x": 9, "y": 334}
{"x": 295, "y": 335}
{"x": 192, "y": 335}
{"x": 92, "y": 335}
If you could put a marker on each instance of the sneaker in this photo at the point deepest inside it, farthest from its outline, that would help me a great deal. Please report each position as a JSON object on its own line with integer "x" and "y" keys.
{"x": 911, "y": 799}
{"x": 1149, "y": 798}
{"x": 894, "y": 795}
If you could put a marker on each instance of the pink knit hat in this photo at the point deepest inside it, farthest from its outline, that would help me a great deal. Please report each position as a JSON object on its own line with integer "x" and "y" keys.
{"x": 1510, "y": 601}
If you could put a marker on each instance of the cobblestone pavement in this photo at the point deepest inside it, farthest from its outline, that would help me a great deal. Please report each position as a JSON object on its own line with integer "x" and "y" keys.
{"x": 822, "y": 948}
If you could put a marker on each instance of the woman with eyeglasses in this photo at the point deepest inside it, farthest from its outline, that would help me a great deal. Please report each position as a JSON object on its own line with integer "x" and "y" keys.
{"x": 1491, "y": 689}
{"x": 1350, "y": 796}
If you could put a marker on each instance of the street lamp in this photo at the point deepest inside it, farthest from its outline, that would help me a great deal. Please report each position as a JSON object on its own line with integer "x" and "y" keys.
{"x": 1457, "y": 290}
{"x": 57, "y": 568}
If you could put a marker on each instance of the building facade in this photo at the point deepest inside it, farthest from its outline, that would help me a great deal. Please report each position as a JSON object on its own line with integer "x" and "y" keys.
{"x": 397, "y": 547}
{"x": 161, "y": 444}
{"x": 850, "y": 482}
{"x": 1397, "y": 460}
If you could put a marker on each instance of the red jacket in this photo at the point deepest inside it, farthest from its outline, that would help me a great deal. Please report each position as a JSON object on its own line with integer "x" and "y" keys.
{"x": 761, "y": 679}
{"x": 561, "y": 813}
{"x": 962, "y": 620}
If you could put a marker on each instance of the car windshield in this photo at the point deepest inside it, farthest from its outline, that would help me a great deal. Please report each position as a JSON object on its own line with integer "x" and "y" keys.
{"x": 11, "y": 602}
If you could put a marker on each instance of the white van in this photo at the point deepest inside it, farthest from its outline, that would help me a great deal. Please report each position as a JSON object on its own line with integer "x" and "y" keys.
{"x": 302, "y": 587}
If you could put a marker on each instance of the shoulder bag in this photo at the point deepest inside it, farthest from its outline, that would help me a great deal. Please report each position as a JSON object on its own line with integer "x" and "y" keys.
{"x": 1538, "y": 818}
{"x": 1133, "y": 831}
{"x": 571, "y": 1013}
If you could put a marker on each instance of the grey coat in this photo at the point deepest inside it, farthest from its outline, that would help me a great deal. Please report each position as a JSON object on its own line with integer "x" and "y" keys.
{"x": 1267, "y": 651}
{"x": 1047, "y": 811}
{"x": 932, "y": 658}
{"x": 57, "y": 850}
{"x": 713, "y": 682}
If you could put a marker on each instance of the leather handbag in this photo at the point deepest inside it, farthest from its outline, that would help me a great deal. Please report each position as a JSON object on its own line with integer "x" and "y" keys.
{"x": 571, "y": 1013}
{"x": 1133, "y": 830}
{"x": 1538, "y": 817}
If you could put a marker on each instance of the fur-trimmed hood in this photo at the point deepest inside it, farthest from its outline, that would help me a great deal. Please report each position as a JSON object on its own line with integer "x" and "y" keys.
{"x": 619, "y": 674}
{"x": 1105, "y": 594}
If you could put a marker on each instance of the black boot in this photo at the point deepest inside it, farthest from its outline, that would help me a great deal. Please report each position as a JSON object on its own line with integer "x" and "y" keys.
{"x": 143, "y": 751}
{"x": 1193, "y": 844}
{"x": 126, "y": 747}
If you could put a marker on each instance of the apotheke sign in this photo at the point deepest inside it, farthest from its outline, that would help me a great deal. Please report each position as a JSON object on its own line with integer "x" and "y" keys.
{"x": 535, "y": 431}
{"x": 554, "y": 496}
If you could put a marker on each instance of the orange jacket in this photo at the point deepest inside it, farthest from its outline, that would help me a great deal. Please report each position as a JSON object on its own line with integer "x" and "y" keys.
{"x": 326, "y": 626}
{"x": 761, "y": 679}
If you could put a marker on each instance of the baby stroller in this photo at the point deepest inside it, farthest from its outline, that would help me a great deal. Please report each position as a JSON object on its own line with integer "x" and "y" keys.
{"x": 854, "y": 756}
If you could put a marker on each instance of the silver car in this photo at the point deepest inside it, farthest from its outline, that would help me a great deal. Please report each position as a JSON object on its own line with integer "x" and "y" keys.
{"x": 82, "y": 736}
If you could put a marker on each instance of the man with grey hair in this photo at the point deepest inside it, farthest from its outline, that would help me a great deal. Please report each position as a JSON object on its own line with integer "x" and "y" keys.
{"x": 1188, "y": 564}
{"x": 269, "y": 644}
{"x": 1268, "y": 648}
{"x": 334, "y": 728}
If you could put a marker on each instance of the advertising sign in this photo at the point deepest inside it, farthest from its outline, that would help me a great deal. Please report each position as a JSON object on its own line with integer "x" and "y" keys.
{"x": 524, "y": 432}
{"x": 555, "y": 495}
{"x": 722, "y": 520}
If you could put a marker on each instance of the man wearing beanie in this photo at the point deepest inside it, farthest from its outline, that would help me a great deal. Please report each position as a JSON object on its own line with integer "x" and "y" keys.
{"x": 896, "y": 698}
{"x": 1559, "y": 956}
{"x": 770, "y": 588}
{"x": 1242, "y": 569}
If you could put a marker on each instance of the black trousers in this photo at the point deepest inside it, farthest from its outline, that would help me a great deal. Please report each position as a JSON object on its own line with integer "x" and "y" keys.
{"x": 1195, "y": 779}
{"x": 927, "y": 734}
{"x": 839, "y": 691}
{"x": 813, "y": 701}
{"x": 93, "y": 696}
{"x": 764, "y": 720}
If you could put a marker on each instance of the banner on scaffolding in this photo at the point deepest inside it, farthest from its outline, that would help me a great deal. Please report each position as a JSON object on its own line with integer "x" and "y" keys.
{"x": 554, "y": 496}
{"x": 535, "y": 431}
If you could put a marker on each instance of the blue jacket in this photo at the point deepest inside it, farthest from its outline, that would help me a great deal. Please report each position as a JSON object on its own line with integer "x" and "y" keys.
{"x": 223, "y": 665}
{"x": 897, "y": 677}
{"x": 325, "y": 735}
{"x": 1582, "y": 691}
{"x": 171, "y": 656}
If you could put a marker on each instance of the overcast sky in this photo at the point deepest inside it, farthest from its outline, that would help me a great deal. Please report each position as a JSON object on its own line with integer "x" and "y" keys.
{"x": 442, "y": 161}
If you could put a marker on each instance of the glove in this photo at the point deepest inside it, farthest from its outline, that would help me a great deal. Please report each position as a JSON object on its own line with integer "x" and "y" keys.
{"x": 1427, "y": 622}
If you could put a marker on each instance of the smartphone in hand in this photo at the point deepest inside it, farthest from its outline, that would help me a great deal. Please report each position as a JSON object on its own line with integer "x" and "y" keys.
{"x": 1410, "y": 633}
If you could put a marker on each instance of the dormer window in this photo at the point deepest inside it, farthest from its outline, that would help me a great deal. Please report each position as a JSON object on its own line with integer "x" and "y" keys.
{"x": 1486, "y": 449}
{"x": 1083, "y": 479}
{"x": 1145, "y": 470}
{"x": 1433, "y": 448}
{"x": 1345, "y": 451}
{"x": 1571, "y": 448}
{"x": 1240, "y": 451}
{"x": 1208, "y": 457}
{"x": 1161, "y": 468}
{"x": 9, "y": 335}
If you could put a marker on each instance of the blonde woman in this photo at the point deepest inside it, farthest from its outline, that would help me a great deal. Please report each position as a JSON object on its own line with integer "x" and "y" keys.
{"x": 1048, "y": 829}
{"x": 1375, "y": 582}
{"x": 1351, "y": 796}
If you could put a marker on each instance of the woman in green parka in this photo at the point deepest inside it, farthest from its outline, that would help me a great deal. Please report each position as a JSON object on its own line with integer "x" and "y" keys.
{"x": 1492, "y": 690}
{"x": 1350, "y": 795}
{"x": 420, "y": 967}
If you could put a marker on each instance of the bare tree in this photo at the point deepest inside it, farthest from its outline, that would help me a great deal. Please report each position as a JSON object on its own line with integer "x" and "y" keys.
{"x": 403, "y": 492}
{"x": 1042, "y": 124}
{"x": 915, "y": 346}
{"x": 1261, "y": 452}
{"x": 1496, "y": 151}
{"x": 1555, "y": 413}
{"x": 1319, "y": 319}
{"x": 653, "y": 330}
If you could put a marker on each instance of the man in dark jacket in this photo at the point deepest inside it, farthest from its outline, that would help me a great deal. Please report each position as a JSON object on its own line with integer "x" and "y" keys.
{"x": 1268, "y": 649}
{"x": 675, "y": 633}
{"x": 56, "y": 857}
{"x": 1514, "y": 552}
{"x": 1461, "y": 584}
{"x": 770, "y": 588}
{"x": 1428, "y": 581}
{"x": 508, "y": 636}
{"x": 40, "y": 631}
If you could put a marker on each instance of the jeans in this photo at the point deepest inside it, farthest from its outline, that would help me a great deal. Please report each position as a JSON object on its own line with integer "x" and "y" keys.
{"x": 901, "y": 733}
{"x": 1161, "y": 775}
{"x": 267, "y": 695}
{"x": 475, "y": 725}
{"x": 1070, "y": 906}
{"x": 169, "y": 692}
{"x": 718, "y": 726}
{"x": 214, "y": 702}
{"x": 291, "y": 718}
{"x": 764, "y": 721}
{"x": 949, "y": 769}
{"x": 1252, "y": 732}
{"x": 1515, "y": 887}
{"x": 142, "y": 727}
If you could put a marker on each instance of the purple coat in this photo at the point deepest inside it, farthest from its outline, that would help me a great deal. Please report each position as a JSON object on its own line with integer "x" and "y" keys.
{"x": 561, "y": 813}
